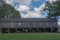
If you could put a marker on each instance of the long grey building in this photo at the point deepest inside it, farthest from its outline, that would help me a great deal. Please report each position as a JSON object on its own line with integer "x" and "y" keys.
{"x": 18, "y": 25}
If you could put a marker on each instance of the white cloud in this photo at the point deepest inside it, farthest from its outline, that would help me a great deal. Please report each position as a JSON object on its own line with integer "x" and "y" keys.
{"x": 51, "y": 0}
{"x": 27, "y": 2}
{"x": 30, "y": 14}
{"x": 40, "y": 8}
{"x": 34, "y": 14}
{"x": 9, "y": 1}
{"x": 23, "y": 8}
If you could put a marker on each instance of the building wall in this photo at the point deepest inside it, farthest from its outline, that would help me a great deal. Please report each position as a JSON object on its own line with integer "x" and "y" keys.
{"x": 31, "y": 26}
{"x": 28, "y": 24}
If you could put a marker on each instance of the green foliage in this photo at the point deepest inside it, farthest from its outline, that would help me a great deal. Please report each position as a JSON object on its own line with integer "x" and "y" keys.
{"x": 8, "y": 11}
{"x": 53, "y": 8}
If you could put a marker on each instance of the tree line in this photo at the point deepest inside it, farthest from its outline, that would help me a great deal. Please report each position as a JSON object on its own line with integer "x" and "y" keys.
{"x": 53, "y": 8}
{"x": 8, "y": 11}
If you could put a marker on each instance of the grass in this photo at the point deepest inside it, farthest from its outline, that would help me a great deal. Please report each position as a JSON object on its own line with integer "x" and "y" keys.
{"x": 30, "y": 36}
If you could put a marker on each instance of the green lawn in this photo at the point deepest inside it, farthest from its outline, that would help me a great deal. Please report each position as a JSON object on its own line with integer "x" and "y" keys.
{"x": 30, "y": 36}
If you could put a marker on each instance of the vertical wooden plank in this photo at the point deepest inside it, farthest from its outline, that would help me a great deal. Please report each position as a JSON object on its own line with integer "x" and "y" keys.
{"x": 0, "y": 30}
{"x": 51, "y": 29}
{"x": 16, "y": 30}
{"x": 37, "y": 30}
{"x": 23, "y": 30}
{"x": 30, "y": 30}
{"x": 8, "y": 30}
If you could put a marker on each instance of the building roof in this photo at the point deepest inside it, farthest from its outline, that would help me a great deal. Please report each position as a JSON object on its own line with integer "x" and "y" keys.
{"x": 27, "y": 19}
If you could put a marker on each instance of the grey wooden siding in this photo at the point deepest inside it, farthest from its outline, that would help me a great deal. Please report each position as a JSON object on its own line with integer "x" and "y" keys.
{"x": 34, "y": 23}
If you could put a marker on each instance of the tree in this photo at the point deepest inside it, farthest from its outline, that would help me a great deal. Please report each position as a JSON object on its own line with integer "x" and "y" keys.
{"x": 53, "y": 8}
{"x": 7, "y": 10}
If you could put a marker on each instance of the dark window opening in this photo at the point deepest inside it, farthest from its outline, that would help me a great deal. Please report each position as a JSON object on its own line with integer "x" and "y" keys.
{"x": 19, "y": 30}
{"x": 33, "y": 30}
{"x": 47, "y": 29}
{"x": 54, "y": 29}
{"x": 40, "y": 30}
{"x": 12, "y": 30}
{"x": 4, "y": 30}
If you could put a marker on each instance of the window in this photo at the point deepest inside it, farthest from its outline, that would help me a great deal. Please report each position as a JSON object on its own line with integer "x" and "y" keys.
{"x": 34, "y": 24}
{"x": 48, "y": 24}
{"x": 19, "y": 24}
{"x": 40, "y": 24}
{"x": 54, "y": 24}
{"x": 13, "y": 24}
